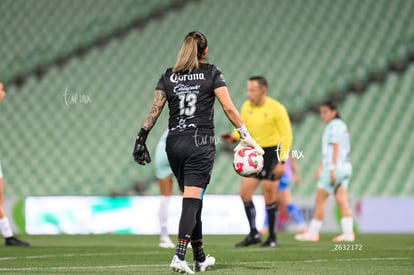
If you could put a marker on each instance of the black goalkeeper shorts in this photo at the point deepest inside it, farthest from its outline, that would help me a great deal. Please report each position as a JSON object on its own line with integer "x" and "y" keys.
{"x": 270, "y": 160}
{"x": 191, "y": 158}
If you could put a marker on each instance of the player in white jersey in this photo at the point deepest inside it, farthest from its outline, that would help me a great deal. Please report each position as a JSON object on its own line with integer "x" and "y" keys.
{"x": 333, "y": 175}
{"x": 5, "y": 227}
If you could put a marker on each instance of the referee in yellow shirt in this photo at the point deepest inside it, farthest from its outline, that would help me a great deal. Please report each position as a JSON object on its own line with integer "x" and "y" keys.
{"x": 268, "y": 123}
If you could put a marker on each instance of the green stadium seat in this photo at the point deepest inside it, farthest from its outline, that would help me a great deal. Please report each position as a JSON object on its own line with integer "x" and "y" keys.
{"x": 40, "y": 31}
{"x": 306, "y": 50}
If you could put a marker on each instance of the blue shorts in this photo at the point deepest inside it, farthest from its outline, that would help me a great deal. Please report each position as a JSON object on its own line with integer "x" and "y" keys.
{"x": 343, "y": 173}
{"x": 283, "y": 182}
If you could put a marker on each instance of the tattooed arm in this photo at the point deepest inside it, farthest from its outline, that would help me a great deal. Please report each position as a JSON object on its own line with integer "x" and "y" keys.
{"x": 157, "y": 105}
{"x": 140, "y": 152}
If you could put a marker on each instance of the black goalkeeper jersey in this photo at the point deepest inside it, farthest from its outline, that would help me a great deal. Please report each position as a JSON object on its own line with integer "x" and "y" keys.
{"x": 191, "y": 98}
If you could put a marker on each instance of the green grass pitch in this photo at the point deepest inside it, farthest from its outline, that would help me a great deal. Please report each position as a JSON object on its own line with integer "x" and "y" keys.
{"x": 129, "y": 254}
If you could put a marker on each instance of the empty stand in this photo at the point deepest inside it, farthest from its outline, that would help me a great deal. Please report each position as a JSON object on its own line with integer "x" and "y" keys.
{"x": 52, "y": 146}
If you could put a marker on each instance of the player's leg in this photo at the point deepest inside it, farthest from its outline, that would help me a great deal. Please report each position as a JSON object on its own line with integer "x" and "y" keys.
{"x": 284, "y": 198}
{"x": 203, "y": 163}
{"x": 4, "y": 223}
{"x": 316, "y": 223}
{"x": 201, "y": 260}
{"x": 247, "y": 188}
{"x": 5, "y": 227}
{"x": 265, "y": 228}
{"x": 343, "y": 173}
{"x": 163, "y": 173}
{"x": 197, "y": 239}
{"x": 166, "y": 187}
{"x": 191, "y": 206}
{"x": 177, "y": 154}
{"x": 192, "y": 167}
{"x": 324, "y": 189}
{"x": 269, "y": 188}
{"x": 341, "y": 196}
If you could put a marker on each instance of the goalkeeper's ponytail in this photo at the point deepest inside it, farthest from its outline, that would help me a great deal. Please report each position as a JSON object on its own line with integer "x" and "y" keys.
{"x": 191, "y": 53}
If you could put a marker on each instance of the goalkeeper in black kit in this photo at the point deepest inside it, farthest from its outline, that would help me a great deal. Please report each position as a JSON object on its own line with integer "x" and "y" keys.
{"x": 190, "y": 88}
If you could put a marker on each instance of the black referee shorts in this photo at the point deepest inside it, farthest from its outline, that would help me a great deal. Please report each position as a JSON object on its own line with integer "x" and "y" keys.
{"x": 270, "y": 161}
{"x": 191, "y": 158}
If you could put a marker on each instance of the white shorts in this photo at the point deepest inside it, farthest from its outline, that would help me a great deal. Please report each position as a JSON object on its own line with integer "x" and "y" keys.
{"x": 343, "y": 173}
{"x": 162, "y": 165}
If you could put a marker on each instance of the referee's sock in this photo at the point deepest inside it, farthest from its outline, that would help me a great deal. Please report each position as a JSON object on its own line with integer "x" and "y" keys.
{"x": 190, "y": 208}
{"x": 271, "y": 210}
{"x": 251, "y": 216}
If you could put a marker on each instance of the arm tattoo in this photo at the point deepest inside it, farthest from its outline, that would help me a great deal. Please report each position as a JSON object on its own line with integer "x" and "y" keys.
{"x": 157, "y": 105}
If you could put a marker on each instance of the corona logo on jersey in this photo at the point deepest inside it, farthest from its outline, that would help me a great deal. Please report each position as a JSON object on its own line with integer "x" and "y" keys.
{"x": 175, "y": 78}
{"x": 247, "y": 162}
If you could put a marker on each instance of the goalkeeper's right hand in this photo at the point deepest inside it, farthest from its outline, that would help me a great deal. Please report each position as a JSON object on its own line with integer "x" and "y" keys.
{"x": 140, "y": 152}
{"x": 246, "y": 140}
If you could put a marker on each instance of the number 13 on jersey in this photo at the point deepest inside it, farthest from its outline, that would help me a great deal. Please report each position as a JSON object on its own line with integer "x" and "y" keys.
{"x": 187, "y": 104}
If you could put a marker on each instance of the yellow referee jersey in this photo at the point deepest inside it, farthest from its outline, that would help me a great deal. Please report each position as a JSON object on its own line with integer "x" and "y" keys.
{"x": 268, "y": 124}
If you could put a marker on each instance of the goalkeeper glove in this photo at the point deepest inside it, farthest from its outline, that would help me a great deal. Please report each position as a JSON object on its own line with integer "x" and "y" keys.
{"x": 247, "y": 141}
{"x": 140, "y": 153}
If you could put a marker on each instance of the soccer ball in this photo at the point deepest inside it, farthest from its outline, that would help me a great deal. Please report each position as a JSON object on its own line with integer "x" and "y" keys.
{"x": 247, "y": 162}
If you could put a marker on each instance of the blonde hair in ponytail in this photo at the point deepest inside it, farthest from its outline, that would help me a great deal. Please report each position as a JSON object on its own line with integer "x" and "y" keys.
{"x": 191, "y": 52}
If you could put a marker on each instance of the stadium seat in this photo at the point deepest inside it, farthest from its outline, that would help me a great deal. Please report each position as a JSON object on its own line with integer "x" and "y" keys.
{"x": 305, "y": 49}
{"x": 40, "y": 31}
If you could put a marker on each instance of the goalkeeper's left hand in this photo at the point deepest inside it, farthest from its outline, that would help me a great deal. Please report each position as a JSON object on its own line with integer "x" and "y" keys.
{"x": 140, "y": 153}
{"x": 247, "y": 141}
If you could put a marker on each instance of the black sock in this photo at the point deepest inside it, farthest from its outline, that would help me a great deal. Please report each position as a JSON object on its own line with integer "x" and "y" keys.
{"x": 187, "y": 224}
{"x": 271, "y": 210}
{"x": 251, "y": 216}
{"x": 197, "y": 238}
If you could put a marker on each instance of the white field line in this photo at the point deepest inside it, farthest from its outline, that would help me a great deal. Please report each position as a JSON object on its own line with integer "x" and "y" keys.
{"x": 166, "y": 265}
{"x": 77, "y": 255}
{"x": 137, "y": 266}
{"x": 359, "y": 259}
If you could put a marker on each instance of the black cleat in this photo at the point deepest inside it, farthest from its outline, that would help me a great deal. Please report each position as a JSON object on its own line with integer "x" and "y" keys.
{"x": 249, "y": 240}
{"x": 271, "y": 242}
{"x": 13, "y": 241}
